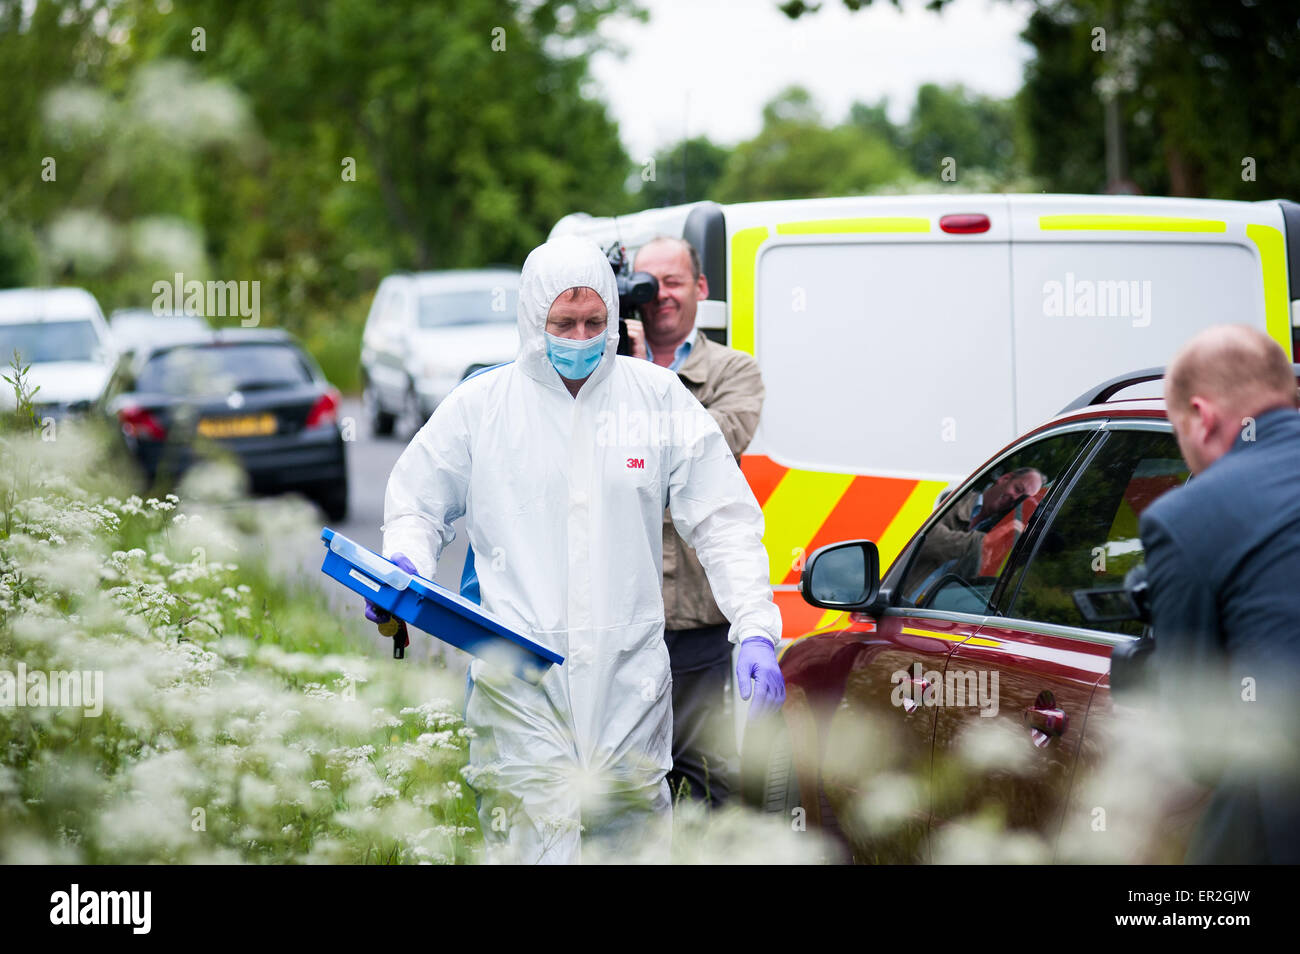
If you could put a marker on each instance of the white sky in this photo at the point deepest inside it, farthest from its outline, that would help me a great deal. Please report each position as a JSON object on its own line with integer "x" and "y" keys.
{"x": 706, "y": 67}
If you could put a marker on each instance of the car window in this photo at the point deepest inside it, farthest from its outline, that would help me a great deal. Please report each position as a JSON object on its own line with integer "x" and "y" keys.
{"x": 41, "y": 341}
{"x": 1092, "y": 540}
{"x": 469, "y": 307}
{"x": 220, "y": 369}
{"x": 956, "y": 565}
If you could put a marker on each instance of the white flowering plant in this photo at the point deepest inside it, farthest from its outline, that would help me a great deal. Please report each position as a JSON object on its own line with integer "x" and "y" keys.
{"x": 241, "y": 719}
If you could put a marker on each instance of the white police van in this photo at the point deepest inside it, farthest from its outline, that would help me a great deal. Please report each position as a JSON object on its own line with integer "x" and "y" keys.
{"x": 903, "y": 339}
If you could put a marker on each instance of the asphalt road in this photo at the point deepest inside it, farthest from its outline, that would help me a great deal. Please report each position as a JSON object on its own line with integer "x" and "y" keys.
{"x": 370, "y": 461}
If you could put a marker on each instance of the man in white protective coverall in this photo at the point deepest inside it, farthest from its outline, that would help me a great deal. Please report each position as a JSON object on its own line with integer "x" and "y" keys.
{"x": 562, "y": 463}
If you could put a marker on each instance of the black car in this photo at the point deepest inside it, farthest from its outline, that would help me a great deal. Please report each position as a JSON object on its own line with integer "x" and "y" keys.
{"x": 252, "y": 393}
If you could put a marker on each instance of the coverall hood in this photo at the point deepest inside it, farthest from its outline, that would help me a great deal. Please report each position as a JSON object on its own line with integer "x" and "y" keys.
{"x": 550, "y": 270}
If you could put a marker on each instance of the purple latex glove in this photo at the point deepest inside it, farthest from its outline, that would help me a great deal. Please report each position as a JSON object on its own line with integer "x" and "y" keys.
{"x": 757, "y": 662}
{"x": 373, "y": 612}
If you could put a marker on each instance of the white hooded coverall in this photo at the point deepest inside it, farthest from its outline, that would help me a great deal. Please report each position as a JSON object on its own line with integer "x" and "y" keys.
{"x": 564, "y": 500}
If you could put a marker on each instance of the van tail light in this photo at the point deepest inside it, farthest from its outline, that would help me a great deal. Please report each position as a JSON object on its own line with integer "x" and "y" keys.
{"x": 137, "y": 422}
{"x": 964, "y": 223}
{"x": 325, "y": 411}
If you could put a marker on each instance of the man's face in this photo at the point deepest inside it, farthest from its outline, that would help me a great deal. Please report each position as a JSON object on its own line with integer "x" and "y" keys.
{"x": 577, "y": 318}
{"x": 1009, "y": 488}
{"x": 672, "y": 314}
{"x": 1194, "y": 429}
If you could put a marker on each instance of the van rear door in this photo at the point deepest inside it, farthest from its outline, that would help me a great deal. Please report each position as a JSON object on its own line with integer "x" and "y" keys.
{"x": 1107, "y": 285}
{"x": 884, "y": 346}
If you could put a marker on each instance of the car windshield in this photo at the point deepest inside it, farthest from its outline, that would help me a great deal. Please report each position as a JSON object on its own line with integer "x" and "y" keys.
{"x": 473, "y": 306}
{"x": 38, "y": 342}
{"x": 220, "y": 369}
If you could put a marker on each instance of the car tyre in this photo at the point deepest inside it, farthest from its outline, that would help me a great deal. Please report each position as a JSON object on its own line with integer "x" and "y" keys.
{"x": 412, "y": 417}
{"x": 769, "y": 782}
{"x": 381, "y": 422}
{"x": 334, "y": 501}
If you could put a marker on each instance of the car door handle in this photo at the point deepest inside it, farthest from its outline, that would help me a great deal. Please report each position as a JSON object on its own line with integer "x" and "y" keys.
{"x": 916, "y": 690}
{"x": 1045, "y": 723}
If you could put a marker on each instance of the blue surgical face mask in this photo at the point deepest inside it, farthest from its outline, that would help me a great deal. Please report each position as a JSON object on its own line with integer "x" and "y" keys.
{"x": 574, "y": 360}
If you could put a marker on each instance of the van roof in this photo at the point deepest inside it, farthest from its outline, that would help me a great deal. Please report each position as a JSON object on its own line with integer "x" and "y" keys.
{"x": 636, "y": 227}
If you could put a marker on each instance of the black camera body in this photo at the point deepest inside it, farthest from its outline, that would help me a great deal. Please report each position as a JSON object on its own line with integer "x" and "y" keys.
{"x": 634, "y": 290}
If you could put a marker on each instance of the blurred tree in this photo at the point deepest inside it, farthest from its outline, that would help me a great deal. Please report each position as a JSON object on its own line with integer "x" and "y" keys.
{"x": 1219, "y": 83}
{"x": 1060, "y": 108}
{"x": 1179, "y": 97}
{"x": 41, "y": 46}
{"x": 18, "y": 258}
{"x": 687, "y": 171}
{"x": 977, "y": 131}
{"x": 371, "y": 137}
{"x": 467, "y": 122}
{"x": 796, "y": 156}
{"x": 874, "y": 119}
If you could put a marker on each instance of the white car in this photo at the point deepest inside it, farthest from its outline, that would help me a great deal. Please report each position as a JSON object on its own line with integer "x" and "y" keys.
{"x": 425, "y": 333}
{"x": 62, "y": 335}
{"x": 134, "y": 328}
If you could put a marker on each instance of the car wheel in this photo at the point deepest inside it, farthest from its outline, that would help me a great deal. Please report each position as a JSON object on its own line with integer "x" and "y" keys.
{"x": 381, "y": 422}
{"x": 412, "y": 417}
{"x": 769, "y": 782}
{"x": 334, "y": 501}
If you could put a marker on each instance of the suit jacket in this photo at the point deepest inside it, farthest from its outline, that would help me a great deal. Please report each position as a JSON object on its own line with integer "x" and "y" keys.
{"x": 1223, "y": 564}
{"x": 727, "y": 382}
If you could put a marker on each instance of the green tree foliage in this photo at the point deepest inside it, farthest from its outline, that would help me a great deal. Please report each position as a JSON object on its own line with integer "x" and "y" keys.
{"x": 796, "y": 156}
{"x": 312, "y": 147}
{"x": 687, "y": 171}
{"x": 874, "y": 118}
{"x": 40, "y": 47}
{"x": 470, "y": 133}
{"x": 977, "y": 131}
{"x": 1207, "y": 94}
{"x": 1217, "y": 83}
{"x": 1060, "y": 108}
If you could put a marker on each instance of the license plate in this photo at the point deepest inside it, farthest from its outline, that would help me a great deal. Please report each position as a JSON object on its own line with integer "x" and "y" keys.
{"x": 247, "y": 425}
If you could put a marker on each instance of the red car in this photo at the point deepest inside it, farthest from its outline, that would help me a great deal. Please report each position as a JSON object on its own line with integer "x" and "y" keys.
{"x": 961, "y": 707}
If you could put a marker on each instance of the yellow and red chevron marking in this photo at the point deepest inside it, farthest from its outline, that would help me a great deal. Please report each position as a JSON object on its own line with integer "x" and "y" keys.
{"x": 805, "y": 509}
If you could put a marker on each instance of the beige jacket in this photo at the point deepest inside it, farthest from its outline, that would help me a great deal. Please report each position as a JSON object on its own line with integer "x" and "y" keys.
{"x": 727, "y": 382}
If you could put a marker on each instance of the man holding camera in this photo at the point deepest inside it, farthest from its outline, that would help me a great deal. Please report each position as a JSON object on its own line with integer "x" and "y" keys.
{"x": 727, "y": 382}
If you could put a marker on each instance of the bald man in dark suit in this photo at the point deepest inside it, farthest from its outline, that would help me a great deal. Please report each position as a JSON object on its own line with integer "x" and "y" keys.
{"x": 1223, "y": 562}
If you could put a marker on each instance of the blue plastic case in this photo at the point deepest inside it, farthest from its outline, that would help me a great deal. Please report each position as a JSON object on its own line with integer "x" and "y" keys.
{"x": 432, "y": 608}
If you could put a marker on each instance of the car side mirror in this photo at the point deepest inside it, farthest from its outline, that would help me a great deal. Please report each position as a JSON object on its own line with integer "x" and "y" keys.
{"x": 843, "y": 576}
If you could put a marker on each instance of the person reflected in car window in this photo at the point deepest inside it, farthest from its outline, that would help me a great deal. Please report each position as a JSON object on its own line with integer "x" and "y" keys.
{"x": 955, "y": 543}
